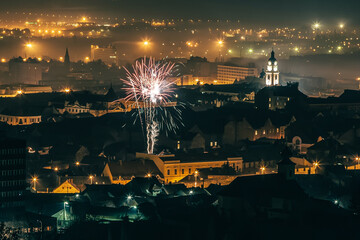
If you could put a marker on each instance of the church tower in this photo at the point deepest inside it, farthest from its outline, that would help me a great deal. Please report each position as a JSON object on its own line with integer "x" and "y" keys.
{"x": 67, "y": 61}
{"x": 272, "y": 71}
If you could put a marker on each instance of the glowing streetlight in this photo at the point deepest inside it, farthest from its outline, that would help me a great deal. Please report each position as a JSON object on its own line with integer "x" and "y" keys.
{"x": 87, "y": 59}
{"x": 251, "y": 50}
{"x": 91, "y": 177}
{"x": 357, "y": 158}
{"x": 29, "y": 45}
{"x": 19, "y": 92}
{"x": 316, "y": 25}
{"x": 196, "y": 173}
{"x": 316, "y": 165}
{"x": 296, "y": 49}
{"x": 339, "y": 48}
{"x": 3, "y": 60}
{"x": 341, "y": 25}
{"x": 148, "y": 175}
{"x": 67, "y": 90}
{"x": 220, "y": 42}
{"x": 262, "y": 170}
{"x": 77, "y": 163}
{"x": 146, "y": 43}
{"x": 129, "y": 197}
{"x": 34, "y": 180}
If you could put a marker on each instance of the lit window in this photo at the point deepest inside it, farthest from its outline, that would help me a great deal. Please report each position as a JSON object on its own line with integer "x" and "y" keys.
{"x": 264, "y": 132}
{"x": 256, "y": 132}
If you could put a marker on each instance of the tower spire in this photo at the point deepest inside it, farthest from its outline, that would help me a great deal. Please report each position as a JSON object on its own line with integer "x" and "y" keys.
{"x": 67, "y": 60}
{"x": 272, "y": 71}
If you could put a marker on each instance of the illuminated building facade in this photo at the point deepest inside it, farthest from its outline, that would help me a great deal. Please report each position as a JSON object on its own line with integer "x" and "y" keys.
{"x": 174, "y": 168}
{"x": 272, "y": 71}
{"x": 228, "y": 74}
{"x": 21, "y": 116}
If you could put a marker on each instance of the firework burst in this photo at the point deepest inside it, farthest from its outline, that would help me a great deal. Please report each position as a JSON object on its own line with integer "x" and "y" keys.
{"x": 148, "y": 86}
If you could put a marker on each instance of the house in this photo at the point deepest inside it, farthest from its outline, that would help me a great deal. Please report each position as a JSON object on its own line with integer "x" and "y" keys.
{"x": 67, "y": 187}
{"x": 273, "y": 196}
{"x": 21, "y": 115}
{"x": 175, "y": 167}
{"x": 255, "y": 125}
{"x": 329, "y": 152}
{"x": 122, "y": 172}
{"x": 278, "y": 97}
{"x": 204, "y": 177}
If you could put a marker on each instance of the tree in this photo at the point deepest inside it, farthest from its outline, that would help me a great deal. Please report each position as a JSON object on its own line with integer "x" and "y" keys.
{"x": 9, "y": 233}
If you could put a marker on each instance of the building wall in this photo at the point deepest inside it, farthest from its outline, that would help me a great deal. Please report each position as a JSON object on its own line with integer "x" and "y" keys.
{"x": 23, "y": 72}
{"x": 228, "y": 74}
{"x": 108, "y": 55}
{"x": 12, "y": 173}
{"x": 242, "y": 130}
{"x": 176, "y": 170}
{"x": 278, "y": 102}
{"x": 20, "y": 120}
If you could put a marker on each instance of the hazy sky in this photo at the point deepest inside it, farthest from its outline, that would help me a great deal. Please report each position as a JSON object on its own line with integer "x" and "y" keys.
{"x": 250, "y": 11}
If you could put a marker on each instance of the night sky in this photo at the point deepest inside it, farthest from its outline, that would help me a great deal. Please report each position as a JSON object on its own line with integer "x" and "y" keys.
{"x": 262, "y": 12}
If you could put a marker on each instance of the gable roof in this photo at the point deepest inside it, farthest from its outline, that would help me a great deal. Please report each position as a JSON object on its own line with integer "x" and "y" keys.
{"x": 137, "y": 168}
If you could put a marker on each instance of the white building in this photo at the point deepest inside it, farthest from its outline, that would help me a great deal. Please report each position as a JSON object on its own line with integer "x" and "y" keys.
{"x": 272, "y": 71}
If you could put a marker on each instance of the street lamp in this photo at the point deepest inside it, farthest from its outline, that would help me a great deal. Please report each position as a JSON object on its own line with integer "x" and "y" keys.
{"x": 91, "y": 179}
{"x": 196, "y": 173}
{"x": 262, "y": 170}
{"x": 357, "y": 161}
{"x": 220, "y": 44}
{"x": 316, "y": 165}
{"x": 28, "y": 46}
{"x": 65, "y": 203}
{"x": 77, "y": 163}
{"x": 34, "y": 180}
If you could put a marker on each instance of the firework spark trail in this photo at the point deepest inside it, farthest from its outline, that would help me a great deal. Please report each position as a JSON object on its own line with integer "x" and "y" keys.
{"x": 150, "y": 89}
